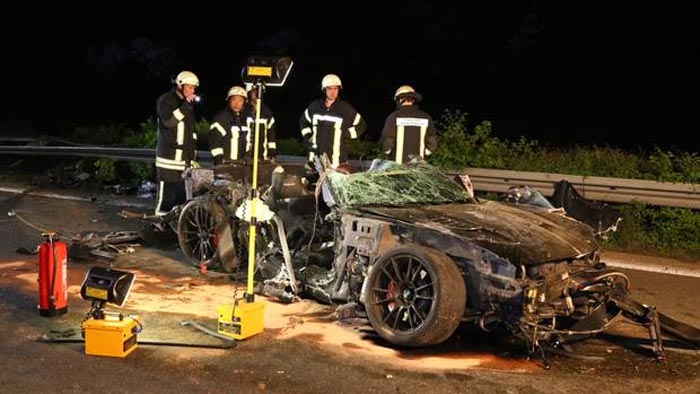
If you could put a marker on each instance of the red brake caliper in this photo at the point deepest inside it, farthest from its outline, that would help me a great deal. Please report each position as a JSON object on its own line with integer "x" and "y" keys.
{"x": 392, "y": 288}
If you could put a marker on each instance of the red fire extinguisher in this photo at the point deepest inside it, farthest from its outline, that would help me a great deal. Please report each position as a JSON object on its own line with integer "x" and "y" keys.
{"x": 53, "y": 277}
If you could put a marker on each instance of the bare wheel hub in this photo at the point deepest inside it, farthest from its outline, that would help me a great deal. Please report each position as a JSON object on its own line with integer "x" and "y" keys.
{"x": 407, "y": 294}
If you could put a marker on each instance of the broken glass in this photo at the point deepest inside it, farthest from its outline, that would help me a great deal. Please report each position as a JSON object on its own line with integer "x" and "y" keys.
{"x": 412, "y": 183}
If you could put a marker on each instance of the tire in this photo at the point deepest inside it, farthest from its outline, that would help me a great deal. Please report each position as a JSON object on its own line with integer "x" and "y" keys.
{"x": 196, "y": 234}
{"x": 416, "y": 297}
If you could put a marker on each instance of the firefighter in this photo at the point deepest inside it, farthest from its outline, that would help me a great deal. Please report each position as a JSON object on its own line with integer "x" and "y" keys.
{"x": 408, "y": 132}
{"x": 268, "y": 135}
{"x": 329, "y": 122}
{"x": 229, "y": 136}
{"x": 177, "y": 140}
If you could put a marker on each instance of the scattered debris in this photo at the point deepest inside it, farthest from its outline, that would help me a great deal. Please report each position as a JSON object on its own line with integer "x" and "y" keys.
{"x": 88, "y": 245}
{"x": 23, "y": 250}
{"x": 69, "y": 332}
{"x": 119, "y": 189}
{"x": 82, "y": 177}
{"x": 127, "y": 214}
{"x": 146, "y": 189}
{"x": 68, "y": 176}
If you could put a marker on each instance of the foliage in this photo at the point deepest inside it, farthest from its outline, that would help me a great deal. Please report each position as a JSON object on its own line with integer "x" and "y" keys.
{"x": 460, "y": 147}
{"x": 141, "y": 171}
{"x": 202, "y": 129}
{"x": 147, "y": 138}
{"x": 105, "y": 170}
{"x": 673, "y": 167}
{"x": 109, "y": 171}
{"x": 667, "y": 231}
{"x": 586, "y": 161}
{"x": 363, "y": 150}
{"x": 291, "y": 146}
{"x": 112, "y": 134}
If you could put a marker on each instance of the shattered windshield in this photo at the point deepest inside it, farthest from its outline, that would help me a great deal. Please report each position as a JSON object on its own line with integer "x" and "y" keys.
{"x": 396, "y": 185}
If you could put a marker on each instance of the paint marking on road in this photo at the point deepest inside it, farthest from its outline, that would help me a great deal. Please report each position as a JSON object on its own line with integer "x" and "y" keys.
{"x": 118, "y": 203}
{"x": 663, "y": 269}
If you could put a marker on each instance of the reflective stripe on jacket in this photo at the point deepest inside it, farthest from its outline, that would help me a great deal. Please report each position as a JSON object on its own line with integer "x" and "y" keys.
{"x": 177, "y": 136}
{"x": 408, "y": 131}
{"x": 229, "y": 136}
{"x": 327, "y": 130}
{"x": 268, "y": 135}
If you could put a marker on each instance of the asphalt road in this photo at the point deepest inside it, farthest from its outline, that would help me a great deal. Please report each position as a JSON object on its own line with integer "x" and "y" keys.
{"x": 301, "y": 349}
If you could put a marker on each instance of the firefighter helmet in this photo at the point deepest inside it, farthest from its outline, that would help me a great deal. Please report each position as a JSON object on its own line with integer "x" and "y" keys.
{"x": 406, "y": 91}
{"x": 236, "y": 91}
{"x": 331, "y": 80}
{"x": 186, "y": 78}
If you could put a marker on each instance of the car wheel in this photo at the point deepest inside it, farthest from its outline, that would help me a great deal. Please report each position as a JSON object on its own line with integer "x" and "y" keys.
{"x": 196, "y": 234}
{"x": 416, "y": 296}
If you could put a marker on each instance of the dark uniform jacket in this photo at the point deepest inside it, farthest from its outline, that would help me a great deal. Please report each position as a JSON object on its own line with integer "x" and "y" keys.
{"x": 409, "y": 131}
{"x": 327, "y": 130}
{"x": 268, "y": 136}
{"x": 229, "y": 138}
{"x": 177, "y": 138}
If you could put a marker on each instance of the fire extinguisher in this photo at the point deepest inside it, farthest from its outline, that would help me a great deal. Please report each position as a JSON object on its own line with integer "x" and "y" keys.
{"x": 53, "y": 276}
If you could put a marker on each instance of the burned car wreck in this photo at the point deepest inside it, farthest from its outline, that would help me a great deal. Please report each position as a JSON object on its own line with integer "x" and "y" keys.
{"x": 409, "y": 248}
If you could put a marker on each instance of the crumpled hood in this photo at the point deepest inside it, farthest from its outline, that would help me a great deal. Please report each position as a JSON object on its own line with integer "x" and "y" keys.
{"x": 520, "y": 233}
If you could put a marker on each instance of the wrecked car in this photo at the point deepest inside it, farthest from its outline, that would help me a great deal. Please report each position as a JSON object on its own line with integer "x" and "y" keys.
{"x": 411, "y": 250}
{"x": 408, "y": 247}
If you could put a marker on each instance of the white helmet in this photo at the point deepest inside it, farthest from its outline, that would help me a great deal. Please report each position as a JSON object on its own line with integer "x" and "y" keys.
{"x": 331, "y": 80}
{"x": 236, "y": 91}
{"x": 186, "y": 78}
{"x": 407, "y": 91}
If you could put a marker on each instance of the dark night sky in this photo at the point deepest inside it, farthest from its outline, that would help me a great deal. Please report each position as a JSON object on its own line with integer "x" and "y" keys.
{"x": 618, "y": 73}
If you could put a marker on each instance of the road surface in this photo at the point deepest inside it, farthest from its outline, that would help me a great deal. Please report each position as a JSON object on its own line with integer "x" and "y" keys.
{"x": 303, "y": 349}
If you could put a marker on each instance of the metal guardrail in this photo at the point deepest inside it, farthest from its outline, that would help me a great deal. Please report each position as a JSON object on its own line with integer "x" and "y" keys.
{"x": 618, "y": 190}
{"x": 132, "y": 154}
{"x": 683, "y": 195}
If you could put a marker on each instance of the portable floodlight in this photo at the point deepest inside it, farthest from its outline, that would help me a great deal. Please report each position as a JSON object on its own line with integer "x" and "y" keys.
{"x": 108, "y": 333}
{"x": 270, "y": 70}
{"x": 245, "y": 317}
{"x": 104, "y": 285}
